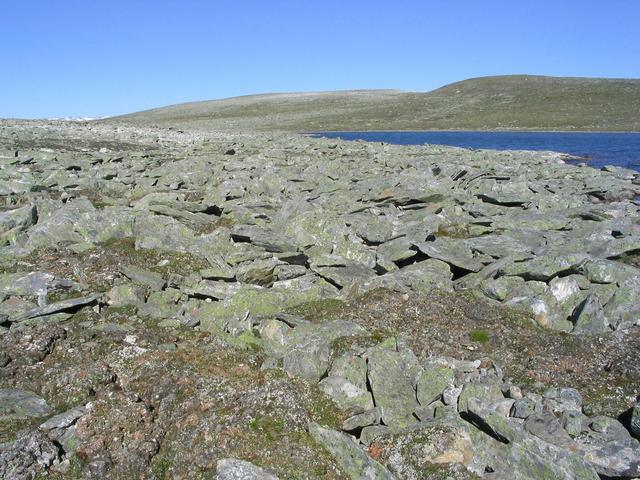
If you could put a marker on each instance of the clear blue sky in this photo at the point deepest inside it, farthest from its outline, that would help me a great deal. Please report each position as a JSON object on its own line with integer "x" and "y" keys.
{"x": 104, "y": 57}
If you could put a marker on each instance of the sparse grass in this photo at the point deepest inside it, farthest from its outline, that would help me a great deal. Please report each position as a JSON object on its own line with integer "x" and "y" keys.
{"x": 481, "y": 336}
{"x": 503, "y": 102}
{"x": 178, "y": 263}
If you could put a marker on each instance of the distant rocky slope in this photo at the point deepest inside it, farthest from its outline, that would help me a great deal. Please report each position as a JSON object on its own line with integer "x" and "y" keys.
{"x": 197, "y": 304}
{"x": 506, "y": 102}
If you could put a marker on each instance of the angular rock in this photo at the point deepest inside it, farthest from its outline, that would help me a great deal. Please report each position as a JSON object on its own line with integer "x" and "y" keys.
{"x": 635, "y": 420}
{"x": 310, "y": 360}
{"x": 562, "y": 399}
{"x": 546, "y": 426}
{"x": 392, "y": 387}
{"x": 589, "y": 317}
{"x": 144, "y": 277}
{"x": 432, "y": 382}
{"x": 357, "y": 464}
{"x": 345, "y": 394}
{"x": 62, "y": 306}
{"x": 65, "y": 419}
{"x": 610, "y": 449}
{"x": 485, "y": 392}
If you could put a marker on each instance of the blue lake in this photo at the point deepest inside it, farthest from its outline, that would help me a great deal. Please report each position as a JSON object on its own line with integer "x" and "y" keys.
{"x": 620, "y": 149}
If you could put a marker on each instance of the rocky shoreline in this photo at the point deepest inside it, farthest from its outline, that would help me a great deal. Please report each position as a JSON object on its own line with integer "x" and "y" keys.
{"x": 192, "y": 304}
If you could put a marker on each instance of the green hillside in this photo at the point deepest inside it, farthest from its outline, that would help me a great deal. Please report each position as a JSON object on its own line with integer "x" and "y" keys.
{"x": 505, "y": 102}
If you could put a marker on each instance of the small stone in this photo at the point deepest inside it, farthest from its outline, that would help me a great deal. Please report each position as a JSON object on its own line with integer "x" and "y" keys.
{"x": 524, "y": 408}
{"x": 514, "y": 392}
{"x": 485, "y": 392}
{"x": 391, "y": 385}
{"x": 308, "y": 360}
{"x": 572, "y": 422}
{"x": 561, "y": 399}
{"x": 345, "y": 393}
{"x": 369, "y": 434}
{"x": 503, "y": 407}
{"x": 233, "y": 469}
{"x": 451, "y": 394}
{"x": 432, "y": 382}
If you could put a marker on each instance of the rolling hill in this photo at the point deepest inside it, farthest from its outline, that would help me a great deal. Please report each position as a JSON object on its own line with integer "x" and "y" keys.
{"x": 487, "y": 103}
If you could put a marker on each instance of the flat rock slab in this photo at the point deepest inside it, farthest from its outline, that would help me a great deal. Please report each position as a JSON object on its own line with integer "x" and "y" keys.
{"x": 17, "y": 404}
{"x": 62, "y": 306}
{"x": 144, "y": 277}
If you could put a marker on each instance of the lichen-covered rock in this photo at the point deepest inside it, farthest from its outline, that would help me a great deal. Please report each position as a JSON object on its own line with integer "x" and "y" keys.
{"x": 356, "y": 463}
{"x": 16, "y": 404}
{"x": 609, "y": 447}
{"x": 27, "y": 456}
{"x": 486, "y": 391}
{"x": 309, "y": 360}
{"x": 347, "y": 383}
{"x": 432, "y": 382}
{"x": 392, "y": 386}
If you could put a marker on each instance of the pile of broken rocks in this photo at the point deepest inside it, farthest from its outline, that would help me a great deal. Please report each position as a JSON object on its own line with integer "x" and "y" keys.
{"x": 109, "y": 234}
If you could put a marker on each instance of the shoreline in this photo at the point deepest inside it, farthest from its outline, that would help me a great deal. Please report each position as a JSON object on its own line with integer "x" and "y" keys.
{"x": 523, "y": 130}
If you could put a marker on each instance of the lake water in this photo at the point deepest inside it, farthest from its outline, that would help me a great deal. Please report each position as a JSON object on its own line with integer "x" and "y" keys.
{"x": 620, "y": 149}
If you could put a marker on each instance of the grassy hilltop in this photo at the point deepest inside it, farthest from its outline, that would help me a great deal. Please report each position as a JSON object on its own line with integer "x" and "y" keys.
{"x": 504, "y": 102}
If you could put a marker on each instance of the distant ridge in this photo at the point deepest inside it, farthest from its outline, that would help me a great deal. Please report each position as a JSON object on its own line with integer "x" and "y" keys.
{"x": 485, "y": 103}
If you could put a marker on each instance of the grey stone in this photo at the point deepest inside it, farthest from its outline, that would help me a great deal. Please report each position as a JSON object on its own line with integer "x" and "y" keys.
{"x": 61, "y": 306}
{"x": 369, "y": 434}
{"x": 357, "y": 464}
{"x": 33, "y": 284}
{"x": 451, "y": 394}
{"x": 125, "y": 295}
{"x": 486, "y": 392}
{"x": 19, "y": 218}
{"x": 392, "y": 386}
{"x": 17, "y": 404}
{"x": 144, "y": 277}
{"x": 546, "y": 426}
{"x": 525, "y": 407}
{"x": 432, "y": 382}
{"x": 27, "y": 456}
{"x": 448, "y": 442}
{"x": 589, "y": 317}
{"x": 308, "y": 360}
{"x": 572, "y": 422}
{"x": 454, "y": 252}
{"x": 365, "y": 419}
{"x": 234, "y": 469}
{"x": 65, "y": 419}
{"x": 345, "y": 394}
{"x": 257, "y": 272}
{"x": 562, "y": 399}
{"x": 610, "y": 449}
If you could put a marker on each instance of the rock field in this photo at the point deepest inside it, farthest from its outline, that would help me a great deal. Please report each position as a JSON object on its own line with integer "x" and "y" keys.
{"x": 193, "y": 304}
